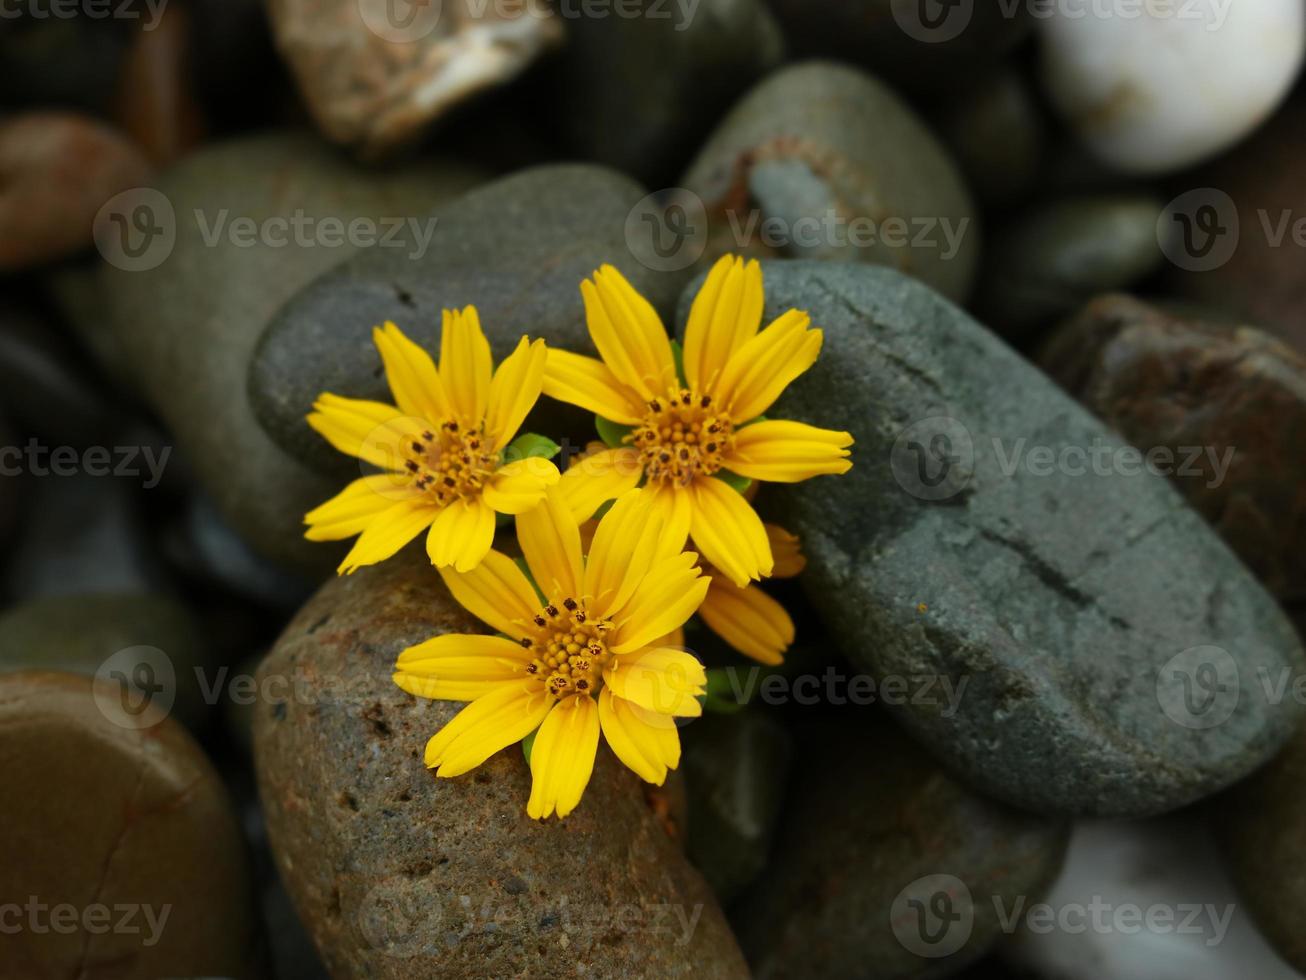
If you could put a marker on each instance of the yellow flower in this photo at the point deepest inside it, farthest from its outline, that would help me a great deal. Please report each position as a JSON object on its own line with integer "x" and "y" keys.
{"x": 748, "y": 619}
{"x": 442, "y": 448}
{"x": 683, "y": 436}
{"x": 578, "y": 656}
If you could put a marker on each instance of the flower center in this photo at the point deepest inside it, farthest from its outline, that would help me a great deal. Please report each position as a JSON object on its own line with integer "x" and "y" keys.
{"x": 683, "y": 436}
{"x": 570, "y": 649}
{"x": 451, "y": 462}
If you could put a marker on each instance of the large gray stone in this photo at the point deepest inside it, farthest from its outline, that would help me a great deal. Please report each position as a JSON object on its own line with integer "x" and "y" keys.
{"x": 1078, "y": 609}
{"x": 517, "y": 249}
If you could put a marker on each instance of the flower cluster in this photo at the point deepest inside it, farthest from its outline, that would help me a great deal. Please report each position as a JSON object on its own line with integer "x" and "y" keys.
{"x": 588, "y": 631}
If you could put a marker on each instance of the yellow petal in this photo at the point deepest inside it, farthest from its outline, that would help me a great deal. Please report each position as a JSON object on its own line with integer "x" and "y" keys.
{"x": 411, "y": 373}
{"x": 676, "y": 505}
{"x": 729, "y": 533}
{"x": 593, "y": 480}
{"x": 550, "y": 541}
{"x": 787, "y": 551}
{"x": 764, "y": 366}
{"x": 726, "y": 313}
{"x": 668, "y": 595}
{"x": 514, "y": 390}
{"x": 460, "y": 666}
{"x": 496, "y": 592}
{"x": 465, "y": 365}
{"x": 519, "y": 486}
{"x": 626, "y": 544}
{"x": 749, "y": 620}
{"x": 355, "y": 507}
{"x": 462, "y": 535}
{"x": 628, "y": 333}
{"x": 389, "y": 531}
{"x": 372, "y": 431}
{"x": 647, "y": 742}
{"x": 664, "y": 681}
{"x": 780, "y": 451}
{"x": 562, "y": 758}
{"x": 493, "y": 721}
{"x": 589, "y": 383}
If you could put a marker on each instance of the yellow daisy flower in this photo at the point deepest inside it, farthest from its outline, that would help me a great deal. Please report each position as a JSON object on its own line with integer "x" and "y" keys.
{"x": 684, "y": 435}
{"x": 748, "y": 619}
{"x": 577, "y": 657}
{"x": 444, "y": 448}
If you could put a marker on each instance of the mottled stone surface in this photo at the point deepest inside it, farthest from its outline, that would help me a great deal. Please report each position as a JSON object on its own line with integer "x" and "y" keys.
{"x": 873, "y": 823}
{"x": 100, "y": 812}
{"x": 375, "y": 73}
{"x": 517, "y": 249}
{"x": 86, "y": 634}
{"x": 993, "y": 533}
{"x": 823, "y": 161}
{"x": 921, "y": 48}
{"x": 1262, "y": 829}
{"x": 398, "y": 874}
{"x": 1046, "y": 262}
{"x": 641, "y": 90}
{"x": 188, "y": 326}
{"x": 56, "y": 170}
{"x": 1227, "y": 402}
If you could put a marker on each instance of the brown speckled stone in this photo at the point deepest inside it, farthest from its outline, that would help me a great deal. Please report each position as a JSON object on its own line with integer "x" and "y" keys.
{"x": 1168, "y": 381}
{"x": 398, "y": 874}
{"x": 97, "y": 813}
{"x": 56, "y": 170}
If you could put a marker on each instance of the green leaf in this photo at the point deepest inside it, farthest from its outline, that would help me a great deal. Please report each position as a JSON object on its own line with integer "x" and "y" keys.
{"x": 603, "y": 510}
{"x": 734, "y": 480}
{"x": 528, "y": 445}
{"x": 527, "y": 744}
{"x": 612, "y": 433}
{"x": 678, "y": 355}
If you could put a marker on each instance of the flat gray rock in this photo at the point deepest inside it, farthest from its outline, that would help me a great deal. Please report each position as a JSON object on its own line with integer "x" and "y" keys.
{"x": 517, "y": 249}
{"x": 1117, "y": 658}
